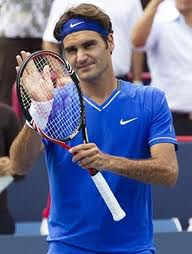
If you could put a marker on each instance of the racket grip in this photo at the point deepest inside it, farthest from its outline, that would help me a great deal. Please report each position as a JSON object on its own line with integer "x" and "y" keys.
{"x": 108, "y": 196}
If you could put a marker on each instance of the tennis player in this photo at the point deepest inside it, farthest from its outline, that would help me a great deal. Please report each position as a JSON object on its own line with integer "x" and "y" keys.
{"x": 132, "y": 141}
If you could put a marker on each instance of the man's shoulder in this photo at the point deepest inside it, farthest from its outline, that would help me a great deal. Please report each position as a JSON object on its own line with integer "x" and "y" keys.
{"x": 139, "y": 90}
{"x": 144, "y": 96}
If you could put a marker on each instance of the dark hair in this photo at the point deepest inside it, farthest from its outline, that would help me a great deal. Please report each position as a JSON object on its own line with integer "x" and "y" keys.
{"x": 87, "y": 11}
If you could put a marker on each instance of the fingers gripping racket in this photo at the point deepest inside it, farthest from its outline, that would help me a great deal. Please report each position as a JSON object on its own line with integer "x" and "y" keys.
{"x": 52, "y": 102}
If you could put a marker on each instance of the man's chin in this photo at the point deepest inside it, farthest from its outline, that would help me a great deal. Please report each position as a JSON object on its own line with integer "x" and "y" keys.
{"x": 86, "y": 77}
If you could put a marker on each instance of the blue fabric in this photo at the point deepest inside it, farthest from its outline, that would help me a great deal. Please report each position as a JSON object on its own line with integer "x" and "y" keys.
{"x": 127, "y": 124}
{"x": 78, "y": 24}
{"x": 66, "y": 105}
{"x": 61, "y": 248}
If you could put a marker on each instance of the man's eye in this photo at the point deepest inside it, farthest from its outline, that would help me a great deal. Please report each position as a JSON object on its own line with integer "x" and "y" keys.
{"x": 71, "y": 51}
{"x": 89, "y": 45}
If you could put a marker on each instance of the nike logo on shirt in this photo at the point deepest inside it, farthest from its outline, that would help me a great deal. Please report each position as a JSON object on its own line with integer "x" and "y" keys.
{"x": 122, "y": 122}
{"x": 76, "y": 24}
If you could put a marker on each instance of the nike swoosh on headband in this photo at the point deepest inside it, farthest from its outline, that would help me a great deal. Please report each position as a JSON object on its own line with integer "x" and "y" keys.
{"x": 76, "y": 24}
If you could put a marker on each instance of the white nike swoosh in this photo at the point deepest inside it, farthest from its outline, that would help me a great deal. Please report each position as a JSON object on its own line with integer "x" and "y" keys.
{"x": 76, "y": 24}
{"x": 122, "y": 122}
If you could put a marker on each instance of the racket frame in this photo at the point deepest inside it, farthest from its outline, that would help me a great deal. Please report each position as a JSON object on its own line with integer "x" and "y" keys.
{"x": 73, "y": 76}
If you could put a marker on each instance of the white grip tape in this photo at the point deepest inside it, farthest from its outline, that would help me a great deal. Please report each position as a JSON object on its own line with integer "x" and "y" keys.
{"x": 108, "y": 196}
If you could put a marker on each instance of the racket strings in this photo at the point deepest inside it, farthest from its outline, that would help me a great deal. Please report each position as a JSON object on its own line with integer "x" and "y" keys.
{"x": 65, "y": 116}
{"x": 50, "y": 96}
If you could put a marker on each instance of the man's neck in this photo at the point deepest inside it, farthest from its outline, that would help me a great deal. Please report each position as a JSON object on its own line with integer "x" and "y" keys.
{"x": 99, "y": 90}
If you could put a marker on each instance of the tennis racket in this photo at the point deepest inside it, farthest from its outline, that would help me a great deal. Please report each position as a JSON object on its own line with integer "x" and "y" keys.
{"x": 52, "y": 102}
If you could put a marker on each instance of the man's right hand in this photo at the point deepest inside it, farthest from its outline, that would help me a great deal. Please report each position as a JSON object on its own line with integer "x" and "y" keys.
{"x": 38, "y": 85}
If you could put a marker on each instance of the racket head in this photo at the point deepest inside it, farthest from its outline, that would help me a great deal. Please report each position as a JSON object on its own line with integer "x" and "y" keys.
{"x": 50, "y": 96}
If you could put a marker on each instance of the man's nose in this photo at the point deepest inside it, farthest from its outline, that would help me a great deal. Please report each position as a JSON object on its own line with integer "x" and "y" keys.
{"x": 81, "y": 56}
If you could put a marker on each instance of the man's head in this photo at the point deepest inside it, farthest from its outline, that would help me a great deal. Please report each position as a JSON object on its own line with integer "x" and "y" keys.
{"x": 87, "y": 12}
{"x": 86, "y": 32}
{"x": 184, "y": 6}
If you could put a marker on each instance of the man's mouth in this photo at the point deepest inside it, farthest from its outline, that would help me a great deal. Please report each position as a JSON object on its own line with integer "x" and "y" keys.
{"x": 84, "y": 66}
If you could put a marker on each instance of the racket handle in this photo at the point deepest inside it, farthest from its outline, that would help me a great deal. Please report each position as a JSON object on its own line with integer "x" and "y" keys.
{"x": 108, "y": 196}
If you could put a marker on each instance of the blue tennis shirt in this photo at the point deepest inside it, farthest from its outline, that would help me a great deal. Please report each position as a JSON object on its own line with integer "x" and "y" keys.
{"x": 127, "y": 124}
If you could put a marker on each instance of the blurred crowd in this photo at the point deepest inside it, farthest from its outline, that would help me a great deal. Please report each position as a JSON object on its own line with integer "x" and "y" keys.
{"x": 152, "y": 47}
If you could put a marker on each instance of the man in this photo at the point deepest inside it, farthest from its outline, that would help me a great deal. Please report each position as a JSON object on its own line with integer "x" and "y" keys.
{"x": 125, "y": 59}
{"x": 132, "y": 143}
{"x": 167, "y": 41}
{"x": 9, "y": 128}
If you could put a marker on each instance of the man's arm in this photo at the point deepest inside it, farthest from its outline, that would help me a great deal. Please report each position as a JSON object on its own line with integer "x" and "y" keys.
{"x": 143, "y": 26}
{"x": 137, "y": 66}
{"x": 24, "y": 150}
{"x": 162, "y": 168}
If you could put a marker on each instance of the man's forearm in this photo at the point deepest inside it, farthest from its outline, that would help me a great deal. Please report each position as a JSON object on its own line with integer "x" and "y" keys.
{"x": 137, "y": 66}
{"x": 24, "y": 150}
{"x": 162, "y": 168}
{"x": 153, "y": 171}
{"x": 143, "y": 26}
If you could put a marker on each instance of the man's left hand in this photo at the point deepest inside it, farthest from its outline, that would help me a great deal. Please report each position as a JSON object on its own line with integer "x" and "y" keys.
{"x": 89, "y": 156}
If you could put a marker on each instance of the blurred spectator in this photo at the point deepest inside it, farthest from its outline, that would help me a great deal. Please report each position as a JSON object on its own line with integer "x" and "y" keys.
{"x": 124, "y": 58}
{"x": 166, "y": 37}
{"x": 22, "y": 25}
{"x": 8, "y": 130}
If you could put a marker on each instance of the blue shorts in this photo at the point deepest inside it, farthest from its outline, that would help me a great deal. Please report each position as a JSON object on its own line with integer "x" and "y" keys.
{"x": 62, "y": 248}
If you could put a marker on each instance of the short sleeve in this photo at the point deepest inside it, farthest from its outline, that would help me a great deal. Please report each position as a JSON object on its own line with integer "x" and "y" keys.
{"x": 161, "y": 128}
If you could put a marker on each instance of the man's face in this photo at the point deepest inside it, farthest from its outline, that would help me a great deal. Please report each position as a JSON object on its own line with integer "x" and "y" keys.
{"x": 184, "y": 6}
{"x": 88, "y": 54}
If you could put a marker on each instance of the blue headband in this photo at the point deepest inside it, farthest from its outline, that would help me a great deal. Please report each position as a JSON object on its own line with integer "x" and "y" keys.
{"x": 78, "y": 24}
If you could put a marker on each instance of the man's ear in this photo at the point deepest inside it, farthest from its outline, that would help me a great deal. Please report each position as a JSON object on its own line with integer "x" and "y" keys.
{"x": 111, "y": 43}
